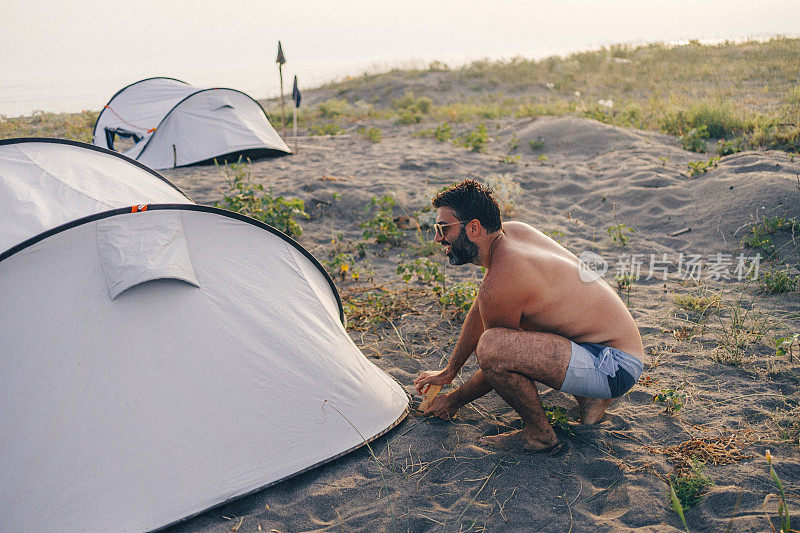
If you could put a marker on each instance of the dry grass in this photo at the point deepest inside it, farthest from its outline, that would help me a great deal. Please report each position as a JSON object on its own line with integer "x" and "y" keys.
{"x": 715, "y": 451}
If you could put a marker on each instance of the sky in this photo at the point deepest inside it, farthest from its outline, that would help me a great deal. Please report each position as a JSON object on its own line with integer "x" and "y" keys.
{"x": 65, "y": 56}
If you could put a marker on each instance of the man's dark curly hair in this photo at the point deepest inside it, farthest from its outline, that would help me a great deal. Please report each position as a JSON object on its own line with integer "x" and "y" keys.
{"x": 469, "y": 199}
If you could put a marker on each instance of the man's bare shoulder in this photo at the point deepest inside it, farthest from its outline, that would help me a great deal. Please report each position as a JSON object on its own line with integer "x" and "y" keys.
{"x": 515, "y": 227}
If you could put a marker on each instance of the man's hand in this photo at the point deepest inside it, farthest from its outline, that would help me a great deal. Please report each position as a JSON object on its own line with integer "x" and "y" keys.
{"x": 428, "y": 378}
{"x": 443, "y": 406}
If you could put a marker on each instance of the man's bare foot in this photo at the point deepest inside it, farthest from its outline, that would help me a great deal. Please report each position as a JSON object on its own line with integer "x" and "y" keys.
{"x": 592, "y": 410}
{"x": 517, "y": 440}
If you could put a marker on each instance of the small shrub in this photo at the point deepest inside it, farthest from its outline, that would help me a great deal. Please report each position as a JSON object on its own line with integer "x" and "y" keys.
{"x": 411, "y": 108}
{"x": 459, "y": 297}
{"x": 513, "y": 144}
{"x": 691, "y": 485}
{"x": 409, "y": 117}
{"x": 730, "y": 147}
{"x": 333, "y": 108}
{"x": 701, "y": 167}
{"x": 325, "y": 129}
{"x": 443, "y": 132}
{"x": 673, "y": 399}
{"x": 777, "y": 281}
{"x": 557, "y": 416}
{"x": 542, "y": 158}
{"x": 699, "y": 306}
{"x": 476, "y": 140}
{"x": 342, "y": 265}
{"x": 423, "y": 104}
{"x": 718, "y": 119}
{"x": 423, "y": 270}
{"x": 382, "y": 226}
{"x": 619, "y": 234}
{"x": 786, "y": 345}
{"x": 371, "y": 134}
{"x": 248, "y": 198}
{"x": 537, "y": 144}
{"x": 694, "y": 139}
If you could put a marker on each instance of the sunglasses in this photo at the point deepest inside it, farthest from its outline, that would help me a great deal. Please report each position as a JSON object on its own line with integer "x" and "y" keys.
{"x": 439, "y": 228}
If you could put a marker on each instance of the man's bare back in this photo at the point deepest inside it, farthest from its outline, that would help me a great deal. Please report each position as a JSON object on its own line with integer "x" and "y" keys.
{"x": 546, "y": 278}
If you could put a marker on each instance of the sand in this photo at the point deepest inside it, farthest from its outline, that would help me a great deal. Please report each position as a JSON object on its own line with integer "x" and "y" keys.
{"x": 431, "y": 475}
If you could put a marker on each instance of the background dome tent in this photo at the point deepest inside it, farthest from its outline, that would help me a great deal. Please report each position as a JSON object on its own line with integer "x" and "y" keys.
{"x": 158, "y": 363}
{"x": 174, "y": 124}
{"x": 45, "y": 183}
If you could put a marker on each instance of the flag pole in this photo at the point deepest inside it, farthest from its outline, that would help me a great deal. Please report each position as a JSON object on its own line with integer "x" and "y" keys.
{"x": 280, "y": 61}
{"x": 296, "y": 97}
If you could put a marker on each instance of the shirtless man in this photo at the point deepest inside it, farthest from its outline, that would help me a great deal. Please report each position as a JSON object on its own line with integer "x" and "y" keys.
{"x": 535, "y": 319}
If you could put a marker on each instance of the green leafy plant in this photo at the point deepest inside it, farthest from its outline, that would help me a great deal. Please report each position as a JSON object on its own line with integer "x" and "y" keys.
{"x": 342, "y": 265}
{"x": 511, "y": 159}
{"x": 694, "y": 140}
{"x": 758, "y": 237}
{"x": 536, "y": 144}
{"x": 423, "y": 270}
{"x": 411, "y": 109}
{"x": 673, "y": 399}
{"x": 777, "y": 281}
{"x": 786, "y": 345}
{"x": 691, "y": 485}
{"x": 382, "y": 226}
{"x": 557, "y": 416}
{"x": 701, "y": 167}
{"x": 619, "y": 234}
{"x": 460, "y": 297}
{"x": 542, "y": 158}
{"x": 443, "y": 132}
{"x": 371, "y": 134}
{"x": 513, "y": 144}
{"x": 248, "y": 198}
{"x": 699, "y": 307}
{"x": 730, "y": 147}
{"x": 476, "y": 140}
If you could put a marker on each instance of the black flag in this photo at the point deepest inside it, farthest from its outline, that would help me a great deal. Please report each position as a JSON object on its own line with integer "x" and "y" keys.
{"x": 296, "y": 93}
{"x": 281, "y": 59}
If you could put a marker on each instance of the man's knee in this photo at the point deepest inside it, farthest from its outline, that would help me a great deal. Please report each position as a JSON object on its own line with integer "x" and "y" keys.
{"x": 489, "y": 350}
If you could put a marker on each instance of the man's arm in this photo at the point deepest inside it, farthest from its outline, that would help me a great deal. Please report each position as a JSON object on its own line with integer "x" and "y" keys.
{"x": 471, "y": 332}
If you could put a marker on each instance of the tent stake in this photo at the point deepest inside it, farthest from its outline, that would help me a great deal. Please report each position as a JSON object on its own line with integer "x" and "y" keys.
{"x": 174, "y": 157}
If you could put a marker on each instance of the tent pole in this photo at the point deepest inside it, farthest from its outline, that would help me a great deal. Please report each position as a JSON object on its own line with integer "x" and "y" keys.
{"x": 294, "y": 127}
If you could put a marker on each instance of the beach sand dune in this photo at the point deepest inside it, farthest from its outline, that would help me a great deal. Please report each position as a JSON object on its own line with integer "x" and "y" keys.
{"x": 581, "y": 178}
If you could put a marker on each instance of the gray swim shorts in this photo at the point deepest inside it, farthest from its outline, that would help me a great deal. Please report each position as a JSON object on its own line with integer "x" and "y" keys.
{"x": 598, "y": 371}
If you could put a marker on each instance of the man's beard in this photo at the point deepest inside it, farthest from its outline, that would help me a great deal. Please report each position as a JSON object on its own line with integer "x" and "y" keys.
{"x": 462, "y": 250}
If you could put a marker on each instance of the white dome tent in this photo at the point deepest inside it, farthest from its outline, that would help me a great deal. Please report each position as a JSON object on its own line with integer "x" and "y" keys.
{"x": 159, "y": 360}
{"x": 174, "y": 124}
